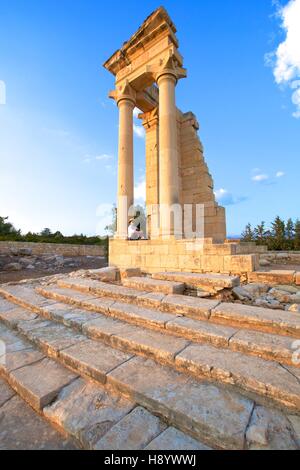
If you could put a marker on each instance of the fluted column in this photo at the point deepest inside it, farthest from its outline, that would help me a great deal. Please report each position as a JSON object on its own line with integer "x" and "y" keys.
{"x": 125, "y": 98}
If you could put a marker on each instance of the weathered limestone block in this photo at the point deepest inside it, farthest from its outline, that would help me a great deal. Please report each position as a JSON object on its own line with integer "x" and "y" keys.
{"x": 38, "y": 388}
{"x": 93, "y": 358}
{"x": 133, "y": 432}
{"x": 154, "y": 285}
{"x": 21, "y": 428}
{"x": 250, "y": 373}
{"x": 201, "y": 409}
{"x": 130, "y": 272}
{"x": 270, "y": 430}
{"x": 86, "y": 411}
{"x": 272, "y": 277}
{"x": 6, "y": 392}
{"x": 173, "y": 439}
{"x": 240, "y": 263}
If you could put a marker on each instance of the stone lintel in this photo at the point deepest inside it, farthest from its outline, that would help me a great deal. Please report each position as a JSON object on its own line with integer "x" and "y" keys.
{"x": 155, "y": 25}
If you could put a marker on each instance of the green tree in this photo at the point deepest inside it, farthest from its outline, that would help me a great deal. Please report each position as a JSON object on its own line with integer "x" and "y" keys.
{"x": 289, "y": 234}
{"x": 278, "y": 234}
{"x": 297, "y": 235}
{"x": 260, "y": 233}
{"x": 6, "y": 228}
{"x": 46, "y": 232}
{"x": 248, "y": 234}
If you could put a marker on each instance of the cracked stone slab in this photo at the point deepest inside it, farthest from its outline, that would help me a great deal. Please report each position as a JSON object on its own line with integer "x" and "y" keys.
{"x": 53, "y": 337}
{"x": 199, "y": 331}
{"x": 189, "y": 306}
{"x": 215, "y": 416}
{"x": 93, "y": 358}
{"x": 104, "y": 327}
{"x": 265, "y": 345}
{"x": 151, "y": 300}
{"x": 10, "y": 342}
{"x": 215, "y": 281}
{"x": 23, "y": 429}
{"x": 133, "y": 432}
{"x": 13, "y": 316}
{"x": 295, "y": 421}
{"x": 68, "y": 315}
{"x": 152, "y": 343}
{"x": 102, "y": 289}
{"x": 154, "y": 285}
{"x": 6, "y": 306}
{"x": 173, "y": 439}
{"x": 16, "y": 359}
{"x": 40, "y": 382}
{"x": 262, "y": 377}
{"x": 60, "y": 294}
{"x": 270, "y": 430}
{"x": 24, "y": 296}
{"x": 87, "y": 411}
{"x": 139, "y": 315}
{"x": 77, "y": 299}
{"x": 6, "y": 393}
{"x": 262, "y": 319}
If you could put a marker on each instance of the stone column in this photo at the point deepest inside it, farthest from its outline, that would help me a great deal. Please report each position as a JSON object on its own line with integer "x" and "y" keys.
{"x": 168, "y": 146}
{"x": 125, "y": 98}
{"x": 150, "y": 123}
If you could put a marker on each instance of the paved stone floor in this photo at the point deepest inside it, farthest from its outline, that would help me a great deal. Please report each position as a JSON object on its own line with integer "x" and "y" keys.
{"x": 21, "y": 428}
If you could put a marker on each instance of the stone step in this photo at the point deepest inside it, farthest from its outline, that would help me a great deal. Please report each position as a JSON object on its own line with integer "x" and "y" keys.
{"x": 232, "y": 314}
{"x": 21, "y": 428}
{"x": 209, "y": 281}
{"x": 154, "y": 285}
{"x": 98, "y": 417}
{"x": 23, "y": 367}
{"x": 93, "y": 416}
{"x": 265, "y": 345}
{"x": 279, "y": 276}
{"x": 266, "y": 380}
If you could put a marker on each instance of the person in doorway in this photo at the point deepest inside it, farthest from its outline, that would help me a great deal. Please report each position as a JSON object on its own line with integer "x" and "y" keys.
{"x": 134, "y": 233}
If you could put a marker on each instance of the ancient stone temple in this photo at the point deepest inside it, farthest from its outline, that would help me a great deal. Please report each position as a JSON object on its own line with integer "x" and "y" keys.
{"x": 186, "y": 228}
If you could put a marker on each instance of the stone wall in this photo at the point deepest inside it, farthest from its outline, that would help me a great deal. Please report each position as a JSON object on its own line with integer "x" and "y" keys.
{"x": 180, "y": 255}
{"x": 196, "y": 183}
{"x": 53, "y": 248}
{"x": 281, "y": 257}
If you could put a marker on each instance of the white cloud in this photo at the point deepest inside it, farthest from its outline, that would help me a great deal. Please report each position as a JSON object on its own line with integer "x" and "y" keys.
{"x": 286, "y": 59}
{"x": 136, "y": 112}
{"x": 260, "y": 177}
{"x": 226, "y": 198}
{"x": 139, "y": 131}
{"x": 140, "y": 191}
{"x": 104, "y": 156}
{"x": 279, "y": 174}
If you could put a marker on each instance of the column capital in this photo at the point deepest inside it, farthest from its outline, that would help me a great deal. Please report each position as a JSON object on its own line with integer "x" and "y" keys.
{"x": 123, "y": 92}
{"x": 169, "y": 66}
{"x": 149, "y": 119}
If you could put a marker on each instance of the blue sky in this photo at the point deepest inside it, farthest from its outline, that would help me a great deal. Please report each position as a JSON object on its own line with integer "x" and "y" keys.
{"x": 58, "y": 129}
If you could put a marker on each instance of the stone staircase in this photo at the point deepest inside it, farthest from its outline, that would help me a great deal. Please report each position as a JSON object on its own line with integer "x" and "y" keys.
{"x": 220, "y": 375}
